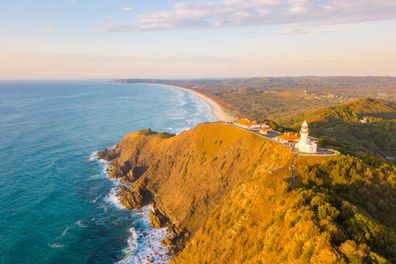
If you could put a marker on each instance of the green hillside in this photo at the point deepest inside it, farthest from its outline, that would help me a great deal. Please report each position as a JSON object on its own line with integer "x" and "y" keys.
{"x": 339, "y": 127}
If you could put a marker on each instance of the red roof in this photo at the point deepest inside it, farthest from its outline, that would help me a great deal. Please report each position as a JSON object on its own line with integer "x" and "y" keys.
{"x": 288, "y": 137}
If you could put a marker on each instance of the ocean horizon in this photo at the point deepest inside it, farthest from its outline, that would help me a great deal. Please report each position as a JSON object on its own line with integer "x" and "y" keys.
{"x": 57, "y": 204}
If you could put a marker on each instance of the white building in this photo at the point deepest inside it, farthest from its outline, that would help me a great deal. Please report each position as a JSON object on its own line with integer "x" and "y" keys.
{"x": 306, "y": 143}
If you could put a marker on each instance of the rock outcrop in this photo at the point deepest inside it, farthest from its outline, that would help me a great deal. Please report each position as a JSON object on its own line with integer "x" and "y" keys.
{"x": 107, "y": 154}
{"x": 134, "y": 197}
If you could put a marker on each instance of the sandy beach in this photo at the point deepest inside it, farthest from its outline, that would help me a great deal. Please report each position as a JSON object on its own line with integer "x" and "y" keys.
{"x": 217, "y": 110}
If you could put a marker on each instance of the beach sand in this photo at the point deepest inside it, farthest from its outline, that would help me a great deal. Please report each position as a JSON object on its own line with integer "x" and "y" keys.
{"x": 217, "y": 110}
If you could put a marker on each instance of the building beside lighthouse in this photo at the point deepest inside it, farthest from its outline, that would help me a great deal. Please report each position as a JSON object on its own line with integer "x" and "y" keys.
{"x": 306, "y": 144}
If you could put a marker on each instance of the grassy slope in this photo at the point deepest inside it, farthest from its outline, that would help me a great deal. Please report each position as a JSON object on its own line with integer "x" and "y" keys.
{"x": 231, "y": 191}
{"x": 192, "y": 172}
{"x": 259, "y": 222}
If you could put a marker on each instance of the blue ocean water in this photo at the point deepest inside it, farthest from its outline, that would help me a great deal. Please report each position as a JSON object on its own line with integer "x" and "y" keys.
{"x": 55, "y": 202}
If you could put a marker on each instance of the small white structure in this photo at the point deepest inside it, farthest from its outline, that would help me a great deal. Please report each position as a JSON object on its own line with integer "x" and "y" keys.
{"x": 306, "y": 143}
{"x": 264, "y": 131}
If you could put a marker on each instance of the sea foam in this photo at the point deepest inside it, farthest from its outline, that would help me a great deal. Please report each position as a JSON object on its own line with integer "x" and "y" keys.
{"x": 56, "y": 245}
{"x": 113, "y": 199}
{"x": 144, "y": 243}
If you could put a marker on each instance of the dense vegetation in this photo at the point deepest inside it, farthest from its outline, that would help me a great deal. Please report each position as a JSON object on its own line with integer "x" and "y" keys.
{"x": 355, "y": 205}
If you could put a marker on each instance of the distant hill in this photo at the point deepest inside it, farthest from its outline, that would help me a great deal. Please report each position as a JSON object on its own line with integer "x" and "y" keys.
{"x": 229, "y": 196}
{"x": 276, "y": 97}
{"x": 340, "y": 127}
{"x": 352, "y": 112}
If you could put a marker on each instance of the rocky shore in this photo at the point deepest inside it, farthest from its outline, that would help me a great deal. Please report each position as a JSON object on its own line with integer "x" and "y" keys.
{"x": 137, "y": 196}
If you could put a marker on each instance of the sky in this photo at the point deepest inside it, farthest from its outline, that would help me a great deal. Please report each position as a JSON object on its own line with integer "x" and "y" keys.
{"x": 105, "y": 39}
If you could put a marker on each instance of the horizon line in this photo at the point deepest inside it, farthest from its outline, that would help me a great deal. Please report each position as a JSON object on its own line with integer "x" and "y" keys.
{"x": 199, "y": 78}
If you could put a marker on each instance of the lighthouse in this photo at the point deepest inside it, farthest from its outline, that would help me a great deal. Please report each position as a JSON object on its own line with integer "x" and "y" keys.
{"x": 304, "y": 133}
{"x": 306, "y": 144}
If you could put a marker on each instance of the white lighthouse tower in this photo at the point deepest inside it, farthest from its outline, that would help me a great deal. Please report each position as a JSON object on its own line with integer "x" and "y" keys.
{"x": 304, "y": 133}
{"x": 306, "y": 144}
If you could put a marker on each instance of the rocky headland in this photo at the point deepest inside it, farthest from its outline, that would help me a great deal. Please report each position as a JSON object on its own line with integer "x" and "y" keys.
{"x": 230, "y": 196}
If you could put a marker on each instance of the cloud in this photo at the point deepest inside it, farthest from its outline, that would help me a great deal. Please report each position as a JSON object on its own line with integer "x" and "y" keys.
{"x": 198, "y": 14}
{"x": 126, "y": 8}
{"x": 293, "y": 29}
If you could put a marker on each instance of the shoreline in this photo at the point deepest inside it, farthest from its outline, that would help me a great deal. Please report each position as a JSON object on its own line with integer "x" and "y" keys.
{"x": 217, "y": 111}
{"x": 137, "y": 249}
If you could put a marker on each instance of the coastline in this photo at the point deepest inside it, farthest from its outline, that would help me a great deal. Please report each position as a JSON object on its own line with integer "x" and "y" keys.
{"x": 157, "y": 238}
{"x": 216, "y": 109}
{"x": 161, "y": 237}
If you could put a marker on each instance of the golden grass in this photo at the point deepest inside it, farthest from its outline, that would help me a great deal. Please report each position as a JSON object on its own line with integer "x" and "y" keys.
{"x": 229, "y": 189}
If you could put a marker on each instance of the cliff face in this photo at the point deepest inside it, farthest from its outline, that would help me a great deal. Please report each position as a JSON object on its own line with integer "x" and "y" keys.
{"x": 224, "y": 192}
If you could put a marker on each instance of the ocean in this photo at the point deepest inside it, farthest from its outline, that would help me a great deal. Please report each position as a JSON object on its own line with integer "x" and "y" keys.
{"x": 57, "y": 204}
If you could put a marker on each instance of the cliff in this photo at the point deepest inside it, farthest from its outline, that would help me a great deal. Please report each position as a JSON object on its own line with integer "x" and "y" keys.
{"x": 228, "y": 195}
